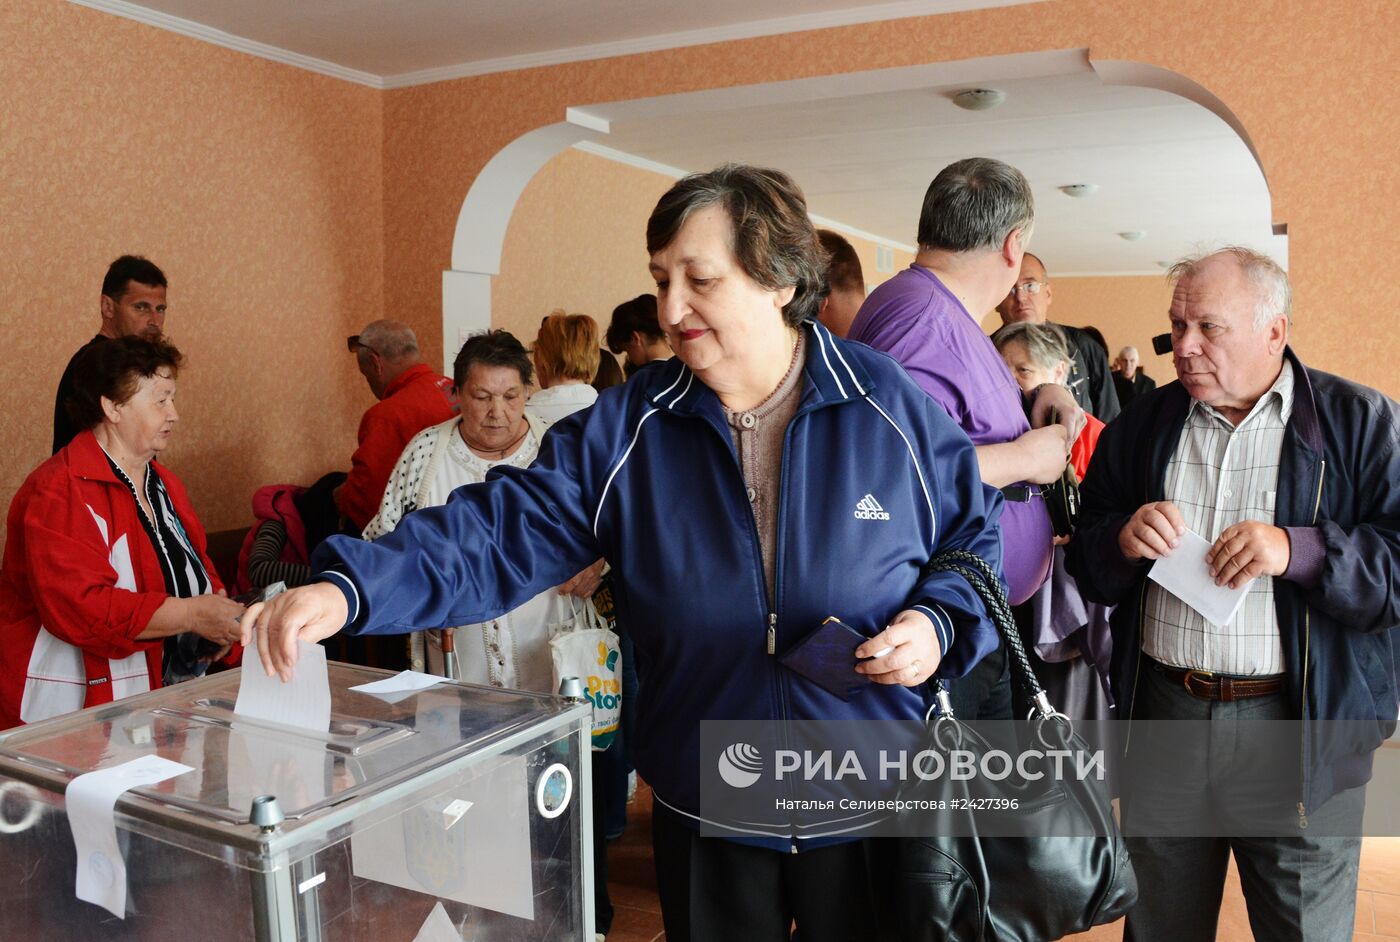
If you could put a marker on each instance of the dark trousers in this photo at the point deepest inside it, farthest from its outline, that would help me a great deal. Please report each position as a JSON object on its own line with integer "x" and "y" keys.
{"x": 602, "y": 789}
{"x": 1297, "y": 888}
{"x": 712, "y": 889}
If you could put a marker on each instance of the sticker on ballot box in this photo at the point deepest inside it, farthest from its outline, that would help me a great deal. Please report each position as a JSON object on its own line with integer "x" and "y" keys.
{"x": 480, "y": 856}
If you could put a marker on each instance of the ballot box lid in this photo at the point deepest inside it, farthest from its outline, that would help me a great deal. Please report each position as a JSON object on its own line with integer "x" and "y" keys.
{"x": 377, "y": 746}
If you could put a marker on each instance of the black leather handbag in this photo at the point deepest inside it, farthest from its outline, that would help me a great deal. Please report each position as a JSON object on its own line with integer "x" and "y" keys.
{"x": 1062, "y": 501}
{"x": 1072, "y": 873}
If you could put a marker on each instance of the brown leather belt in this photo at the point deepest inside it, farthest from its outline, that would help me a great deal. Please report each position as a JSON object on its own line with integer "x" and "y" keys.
{"x": 1208, "y": 686}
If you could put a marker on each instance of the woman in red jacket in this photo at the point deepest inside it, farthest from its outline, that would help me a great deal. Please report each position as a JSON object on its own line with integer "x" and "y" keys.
{"x": 105, "y": 565}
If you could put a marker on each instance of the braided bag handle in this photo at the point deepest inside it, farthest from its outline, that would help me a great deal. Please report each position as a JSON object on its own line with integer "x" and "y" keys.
{"x": 987, "y": 585}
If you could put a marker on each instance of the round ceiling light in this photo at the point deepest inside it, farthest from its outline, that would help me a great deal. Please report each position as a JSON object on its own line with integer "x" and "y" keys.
{"x": 1131, "y": 235}
{"x": 979, "y": 99}
{"x": 1079, "y": 190}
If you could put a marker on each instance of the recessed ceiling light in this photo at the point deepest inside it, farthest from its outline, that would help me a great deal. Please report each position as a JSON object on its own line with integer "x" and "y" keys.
{"x": 1132, "y": 235}
{"x": 979, "y": 99}
{"x": 1079, "y": 190}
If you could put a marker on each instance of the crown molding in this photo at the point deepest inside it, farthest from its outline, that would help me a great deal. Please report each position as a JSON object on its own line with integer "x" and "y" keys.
{"x": 675, "y": 173}
{"x": 218, "y": 37}
{"x": 631, "y": 160}
{"x": 823, "y": 222}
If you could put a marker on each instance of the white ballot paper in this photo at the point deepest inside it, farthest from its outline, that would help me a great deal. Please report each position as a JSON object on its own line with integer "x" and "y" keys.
{"x": 1186, "y": 575}
{"x": 91, "y": 801}
{"x": 401, "y": 686}
{"x": 438, "y": 927}
{"x": 305, "y": 701}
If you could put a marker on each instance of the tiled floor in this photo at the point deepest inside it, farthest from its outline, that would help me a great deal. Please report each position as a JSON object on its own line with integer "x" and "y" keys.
{"x": 631, "y": 879}
{"x": 633, "y": 888}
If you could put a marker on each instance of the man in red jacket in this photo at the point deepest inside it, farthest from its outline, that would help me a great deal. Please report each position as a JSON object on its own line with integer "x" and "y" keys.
{"x": 412, "y": 396}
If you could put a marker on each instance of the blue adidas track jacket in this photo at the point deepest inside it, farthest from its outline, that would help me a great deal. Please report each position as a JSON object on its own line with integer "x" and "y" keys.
{"x": 875, "y": 479}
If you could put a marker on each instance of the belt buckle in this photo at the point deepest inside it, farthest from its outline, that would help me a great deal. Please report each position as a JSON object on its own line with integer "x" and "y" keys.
{"x": 1207, "y": 676}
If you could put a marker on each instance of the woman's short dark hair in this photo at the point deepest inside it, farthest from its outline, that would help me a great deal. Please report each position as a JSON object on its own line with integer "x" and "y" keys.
{"x": 609, "y": 373}
{"x": 774, "y": 239}
{"x": 112, "y": 370}
{"x": 492, "y": 348}
{"x": 638, "y": 314}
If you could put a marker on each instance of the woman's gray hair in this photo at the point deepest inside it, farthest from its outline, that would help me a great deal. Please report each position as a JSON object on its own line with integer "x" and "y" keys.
{"x": 773, "y": 237}
{"x": 975, "y": 204}
{"x": 1272, "y": 293}
{"x": 1045, "y": 343}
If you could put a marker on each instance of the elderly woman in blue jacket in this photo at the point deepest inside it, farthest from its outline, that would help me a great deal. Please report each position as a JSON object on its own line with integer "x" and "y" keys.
{"x": 769, "y": 476}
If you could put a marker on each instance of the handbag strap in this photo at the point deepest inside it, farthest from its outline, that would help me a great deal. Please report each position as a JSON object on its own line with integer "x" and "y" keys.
{"x": 987, "y": 585}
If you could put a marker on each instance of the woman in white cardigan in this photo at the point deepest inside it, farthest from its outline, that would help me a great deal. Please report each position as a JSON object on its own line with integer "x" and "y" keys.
{"x": 492, "y": 374}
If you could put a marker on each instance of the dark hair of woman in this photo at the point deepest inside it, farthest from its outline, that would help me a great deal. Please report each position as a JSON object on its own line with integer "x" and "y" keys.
{"x": 609, "y": 373}
{"x": 774, "y": 238}
{"x": 112, "y": 370}
{"x": 492, "y": 348}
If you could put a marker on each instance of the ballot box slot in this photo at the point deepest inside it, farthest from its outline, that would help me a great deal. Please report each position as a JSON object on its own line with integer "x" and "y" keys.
{"x": 348, "y": 736}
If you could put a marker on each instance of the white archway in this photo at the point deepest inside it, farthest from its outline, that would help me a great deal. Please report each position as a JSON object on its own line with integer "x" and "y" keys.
{"x": 487, "y": 209}
{"x": 482, "y": 222}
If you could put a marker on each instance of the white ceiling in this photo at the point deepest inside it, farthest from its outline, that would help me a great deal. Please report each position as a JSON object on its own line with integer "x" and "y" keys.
{"x": 863, "y": 147}
{"x": 392, "y": 43}
{"x": 1164, "y": 165}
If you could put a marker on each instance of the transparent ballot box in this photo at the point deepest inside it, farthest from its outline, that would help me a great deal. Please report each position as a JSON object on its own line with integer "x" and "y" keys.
{"x": 453, "y": 812}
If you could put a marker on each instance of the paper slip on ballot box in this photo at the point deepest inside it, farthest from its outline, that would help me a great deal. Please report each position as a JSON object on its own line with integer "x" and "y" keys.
{"x": 450, "y": 812}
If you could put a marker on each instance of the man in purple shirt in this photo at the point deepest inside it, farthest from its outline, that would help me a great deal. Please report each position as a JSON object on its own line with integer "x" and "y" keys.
{"x": 976, "y": 217}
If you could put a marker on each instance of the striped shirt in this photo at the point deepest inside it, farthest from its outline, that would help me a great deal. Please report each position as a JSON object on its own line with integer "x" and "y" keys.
{"x": 1221, "y": 475}
{"x": 180, "y": 567}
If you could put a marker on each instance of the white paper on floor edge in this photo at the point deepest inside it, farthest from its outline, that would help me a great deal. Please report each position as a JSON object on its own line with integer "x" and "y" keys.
{"x": 304, "y": 701}
{"x": 1186, "y": 575}
{"x": 438, "y": 927}
{"x": 400, "y": 686}
{"x": 91, "y": 801}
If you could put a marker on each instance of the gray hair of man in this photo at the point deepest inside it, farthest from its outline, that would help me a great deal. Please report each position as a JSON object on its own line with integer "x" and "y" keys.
{"x": 393, "y": 340}
{"x": 1045, "y": 343}
{"x": 975, "y": 204}
{"x": 1273, "y": 294}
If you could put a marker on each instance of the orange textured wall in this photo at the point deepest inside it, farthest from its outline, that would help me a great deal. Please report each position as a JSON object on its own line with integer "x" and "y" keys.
{"x": 1130, "y": 310}
{"x": 1276, "y": 63}
{"x": 255, "y": 186}
{"x": 577, "y": 240}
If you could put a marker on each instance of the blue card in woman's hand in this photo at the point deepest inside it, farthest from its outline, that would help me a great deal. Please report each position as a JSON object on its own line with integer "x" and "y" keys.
{"x": 827, "y": 657}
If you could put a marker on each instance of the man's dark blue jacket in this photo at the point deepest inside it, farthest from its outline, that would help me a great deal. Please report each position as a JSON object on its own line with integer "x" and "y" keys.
{"x": 1338, "y": 496}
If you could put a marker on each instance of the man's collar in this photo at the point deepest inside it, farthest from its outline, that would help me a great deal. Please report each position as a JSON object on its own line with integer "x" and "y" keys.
{"x": 1282, "y": 388}
{"x": 404, "y": 378}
